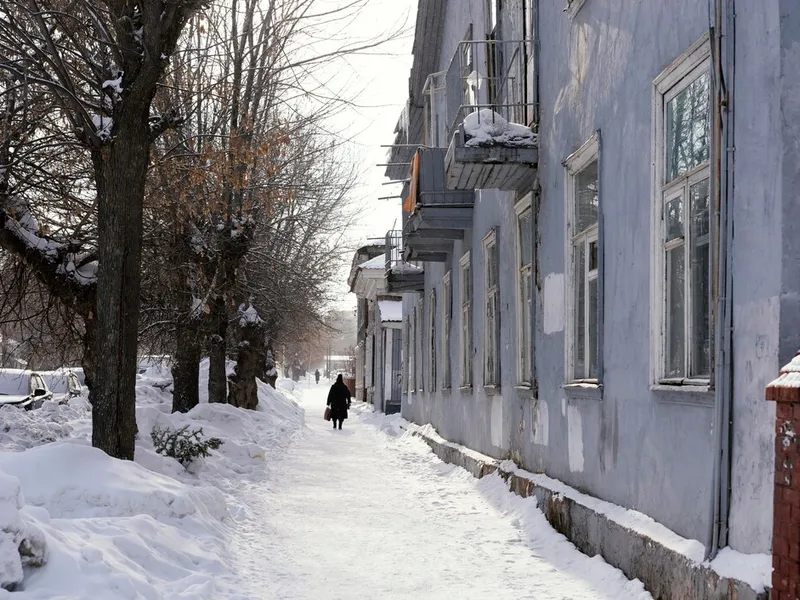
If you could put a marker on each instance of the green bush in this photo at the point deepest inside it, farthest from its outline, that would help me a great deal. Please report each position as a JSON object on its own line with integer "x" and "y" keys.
{"x": 182, "y": 444}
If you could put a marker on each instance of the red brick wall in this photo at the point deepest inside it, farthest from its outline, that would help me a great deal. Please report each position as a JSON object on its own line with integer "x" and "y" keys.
{"x": 786, "y": 519}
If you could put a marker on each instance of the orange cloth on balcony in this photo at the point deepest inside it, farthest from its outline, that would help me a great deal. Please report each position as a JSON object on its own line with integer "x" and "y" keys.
{"x": 411, "y": 201}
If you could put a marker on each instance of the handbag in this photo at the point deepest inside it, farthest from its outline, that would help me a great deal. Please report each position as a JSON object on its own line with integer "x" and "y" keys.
{"x": 327, "y": 413}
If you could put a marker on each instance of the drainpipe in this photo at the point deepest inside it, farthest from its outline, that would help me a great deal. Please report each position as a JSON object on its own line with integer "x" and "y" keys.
{"x": 536, "y": 49}
{"x": 724, "y": 46}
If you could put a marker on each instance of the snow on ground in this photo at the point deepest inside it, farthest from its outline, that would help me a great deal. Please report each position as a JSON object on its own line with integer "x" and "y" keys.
{"x": 371, "y": 512}
{"x": 148, "y": 529}
{"x": 287, "y": 508}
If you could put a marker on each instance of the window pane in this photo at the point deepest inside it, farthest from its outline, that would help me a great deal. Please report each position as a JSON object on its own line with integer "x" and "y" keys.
{"x": 676, "y": 327}
{"x": 466, "y": 284}
{"x": 525, "y": 324}
{"x": 579, "y": 311}
{"x": 700, "y": 261}
{"x": 491, "y": 265}
{"x": 688, "y": 121}
{"x": 674, "y": 219}
{"x": 592, "y": 329}
{"x": 525, "y": 232}
{"x": 586, "y": 198}
{"x": 593, "y": 255}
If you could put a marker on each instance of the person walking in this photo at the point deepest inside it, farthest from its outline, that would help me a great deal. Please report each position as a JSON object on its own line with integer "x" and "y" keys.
{"x": 339, "y": 401}
{"x": 316, "y": 375}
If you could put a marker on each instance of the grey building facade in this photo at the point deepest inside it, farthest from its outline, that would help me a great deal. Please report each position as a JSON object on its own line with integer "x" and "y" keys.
{"x": 606, "y": 305}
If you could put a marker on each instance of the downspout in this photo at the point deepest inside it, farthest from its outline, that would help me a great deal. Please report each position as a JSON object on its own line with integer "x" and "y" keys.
{"x": 725, "y": 63}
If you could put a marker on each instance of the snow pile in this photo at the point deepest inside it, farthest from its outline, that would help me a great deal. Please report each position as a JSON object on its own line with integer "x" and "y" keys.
{"x": 22, "y": 544}
{"x": 147, "y": 529}
{"x": 754, "y": 569}
{"x": 23, "y": 429}
{"x": 487, "y": 128}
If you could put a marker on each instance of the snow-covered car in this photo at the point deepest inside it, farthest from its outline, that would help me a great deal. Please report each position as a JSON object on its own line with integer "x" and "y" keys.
{"x": 65, "y": 383}
{"x": 25, "y": 389}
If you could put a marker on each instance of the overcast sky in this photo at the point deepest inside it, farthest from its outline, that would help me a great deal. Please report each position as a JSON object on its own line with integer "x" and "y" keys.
{"x": 379, "y": 83}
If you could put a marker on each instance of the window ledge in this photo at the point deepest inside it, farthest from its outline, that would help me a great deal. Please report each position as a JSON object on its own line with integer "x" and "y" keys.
{"x": 492, "y": 390}
{"x": 588, "y": 391}
{"x": 466, "y": 389}
{"x": 696, "y": 395}
{"x": 524, "y": 391}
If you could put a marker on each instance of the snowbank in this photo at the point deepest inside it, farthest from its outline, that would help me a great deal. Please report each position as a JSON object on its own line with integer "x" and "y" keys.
{"x": 147, "y": 529}
{"x": 487, "y": 128}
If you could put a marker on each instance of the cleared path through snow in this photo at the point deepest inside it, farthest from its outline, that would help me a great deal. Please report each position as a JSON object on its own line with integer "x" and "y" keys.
{"x": 371, "y": 514}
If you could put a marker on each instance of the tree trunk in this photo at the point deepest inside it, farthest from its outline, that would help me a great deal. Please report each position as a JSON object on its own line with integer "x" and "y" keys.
{"x": 250, "y": 360}
{"x": 217, "y": 377}
{"x": 186, "y": 369}
{"x": 88, "y": 361}
{"x": 120, "y": 168}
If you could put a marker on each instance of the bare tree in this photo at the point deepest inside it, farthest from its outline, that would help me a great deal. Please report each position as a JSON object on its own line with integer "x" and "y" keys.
{"x": 97, "y": 65}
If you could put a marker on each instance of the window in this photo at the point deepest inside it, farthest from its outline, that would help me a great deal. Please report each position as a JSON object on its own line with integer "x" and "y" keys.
{"x": 466, "y": 320}
{"x": 419, "y": 346}
{"x": 447, "y": 319}
{"x": 432, "y": 342}
{"x": 682, "y": 220}
{"x": 435, "y": 128}
{"x": 583, "y": 249}
{"x": 491, "y": 359}
{"x": 524, "y": 260}
{"x": 406, "y": 357}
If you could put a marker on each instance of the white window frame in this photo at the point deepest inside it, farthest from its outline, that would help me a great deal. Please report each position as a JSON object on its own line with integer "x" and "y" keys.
{"x": 447, "y": 323}
{"x": 419, "y": 374}
{"x": 575, "y": 163}
{"x": 491, "y": 294}
{"x": 674, "y": 79}
{"x": 406, "y": 353}
{"x": 465, "y": 321}
{"x": 435, "y": 129}
{"x": 524, "y": 339}
{"x": 432, "y": 371}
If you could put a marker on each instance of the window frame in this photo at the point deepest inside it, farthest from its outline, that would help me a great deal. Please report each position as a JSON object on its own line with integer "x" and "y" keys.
{"x": 669, "y": 83}
{"x": 575, "y": 164}
{"x": 491, "y": 379}
{"x": 419, "y": 373}
{"x": 447, "y": 323}
{"x": 524, "y": 355}
{"x": 431, "y": 339}
{"x": 465, "y": 320}
{"x": 406, "y": 353}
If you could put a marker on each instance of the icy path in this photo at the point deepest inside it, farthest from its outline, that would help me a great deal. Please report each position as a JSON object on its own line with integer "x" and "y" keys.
{"x": 362, "y": 513}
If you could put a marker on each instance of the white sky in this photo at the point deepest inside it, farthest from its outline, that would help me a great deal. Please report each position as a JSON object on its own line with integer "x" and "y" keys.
{"x": 379, "y": 85}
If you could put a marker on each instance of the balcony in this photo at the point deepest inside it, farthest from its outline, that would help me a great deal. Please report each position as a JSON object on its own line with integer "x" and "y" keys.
{"x": 401, "y": 276}
{"x": 488, "y": 98}
{"x": 432, "y": 210}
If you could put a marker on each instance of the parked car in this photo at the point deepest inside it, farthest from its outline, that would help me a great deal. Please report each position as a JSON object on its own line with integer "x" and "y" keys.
{"x": 25, "y": 389}
{"x": 65, "y": 383}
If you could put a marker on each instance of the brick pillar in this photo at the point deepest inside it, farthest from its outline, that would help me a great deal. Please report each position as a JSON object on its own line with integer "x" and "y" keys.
{"x": 785, "y": 391}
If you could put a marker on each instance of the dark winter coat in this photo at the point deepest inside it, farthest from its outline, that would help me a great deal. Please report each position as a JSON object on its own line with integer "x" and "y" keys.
{"x": 339, "y": 400}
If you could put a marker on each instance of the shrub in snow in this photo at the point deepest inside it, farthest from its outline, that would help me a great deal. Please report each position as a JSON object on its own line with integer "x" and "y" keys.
{"x": 21, "y": 544}
{"x": 184, "y": 445}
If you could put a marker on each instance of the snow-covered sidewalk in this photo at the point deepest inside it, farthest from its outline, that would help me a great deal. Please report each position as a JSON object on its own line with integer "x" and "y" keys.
{"x": 371, "y": 512}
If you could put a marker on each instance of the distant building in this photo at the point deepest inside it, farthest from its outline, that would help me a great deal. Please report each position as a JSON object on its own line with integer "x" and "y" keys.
{"x": 379, "y": 342}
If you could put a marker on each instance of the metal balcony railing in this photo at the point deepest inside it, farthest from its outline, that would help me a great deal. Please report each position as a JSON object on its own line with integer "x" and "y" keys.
{"x": 489, "y": 74}
{"x": 394, "y": 249}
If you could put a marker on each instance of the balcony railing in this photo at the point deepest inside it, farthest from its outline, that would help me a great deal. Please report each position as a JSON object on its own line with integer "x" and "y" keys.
{"x": 489, "y": 74}
{"x": 394, "y": 249}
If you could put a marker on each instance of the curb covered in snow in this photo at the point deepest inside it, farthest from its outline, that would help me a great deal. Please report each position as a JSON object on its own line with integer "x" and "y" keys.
{"x": 668, "y": 573}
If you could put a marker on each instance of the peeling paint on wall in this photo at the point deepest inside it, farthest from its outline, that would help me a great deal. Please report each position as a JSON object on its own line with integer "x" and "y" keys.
{"x": 497, "y": 421}
{"x": 575, "y": 439}
{"x": 553, "y": 320}
{"x": 539, "y": 430}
